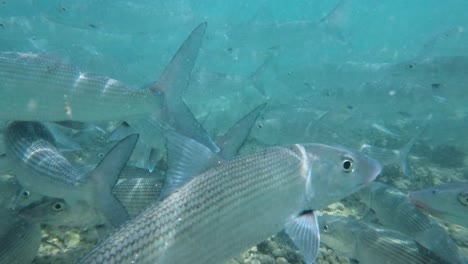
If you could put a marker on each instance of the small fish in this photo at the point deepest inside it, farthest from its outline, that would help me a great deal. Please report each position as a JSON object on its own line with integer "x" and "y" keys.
{"x": 394, "y": 211}
{"x": 369, "y": 245}
{"x": 42, "y": 169}
{"x": 136, "y": 190}
{"x": 59, "y": 212}
{"x": 448, "y": 202}
{"x": 237, "y": 203}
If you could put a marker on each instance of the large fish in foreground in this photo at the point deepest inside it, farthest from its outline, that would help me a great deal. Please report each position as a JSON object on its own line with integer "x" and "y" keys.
{"x": 42, "y": 169}
{"x": 448, "y": 202}
{"x": 237, "y": 204}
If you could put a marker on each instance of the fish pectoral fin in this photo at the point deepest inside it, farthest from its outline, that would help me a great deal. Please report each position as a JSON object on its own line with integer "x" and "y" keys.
{"x": 304, "y": 232}
{"x": 186, "y": 158}
{"x": 235, "y": 137}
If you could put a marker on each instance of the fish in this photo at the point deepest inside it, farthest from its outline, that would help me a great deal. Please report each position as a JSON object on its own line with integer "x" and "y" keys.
{"x": 59, "y": 212}
{"x": 237, "y": 203}
{"x": 367, "y": 244}
{"x": 43, "y": 89}
{"x": 20, "y": 239}
{"x": 42, "y": 169}
{"x": 136, "y": 189}
{"x": 448, "y": 202}
{"x": 135, "y": 195}
{"x": 394, "y": 210}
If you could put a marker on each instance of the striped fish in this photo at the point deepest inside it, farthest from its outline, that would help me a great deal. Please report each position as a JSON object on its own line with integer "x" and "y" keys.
{"x": 394, "y": 211}
{"x": 237, "y": 204}
{"x": 369, "y": 245}
{"x": 36, "y": 88}
{"x": 42, "y": 169}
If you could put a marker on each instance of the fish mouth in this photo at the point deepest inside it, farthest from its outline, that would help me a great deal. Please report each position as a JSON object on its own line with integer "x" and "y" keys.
{"x": 424, "y": 207}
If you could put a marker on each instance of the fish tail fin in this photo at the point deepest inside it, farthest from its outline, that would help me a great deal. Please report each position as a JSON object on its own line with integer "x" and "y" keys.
{"x": 171, "y": 87}
{"x": 105, "y": 176}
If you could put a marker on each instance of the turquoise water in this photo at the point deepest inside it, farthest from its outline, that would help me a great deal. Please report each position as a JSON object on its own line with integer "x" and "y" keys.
{"x": 352, "y": 73}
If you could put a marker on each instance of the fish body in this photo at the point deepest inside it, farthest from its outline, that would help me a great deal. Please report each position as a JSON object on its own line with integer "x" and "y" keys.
{"x": 394, "y": 211}
{"x": 19, "y": 239}
{"x": 448, "y": 202}
{"x": 237, "y": 204}
{"x": 369, "y": 245}
{"x": 42, "y": 169}
{"x": 43, "y": 89}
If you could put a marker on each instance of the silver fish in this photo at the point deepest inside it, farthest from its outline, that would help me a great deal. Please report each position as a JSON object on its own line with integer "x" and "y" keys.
{"x": 136, "y": 190}
{"x": 42, "y": 169}
{"x": 448, "y": 202}
{"x": 19, "y": 239}
{"x": 59, "y": 212}
{"x": 369, "y": 245}
{"x": 42, "y": 89}
{"x": 237, "y": 204}
{"x": 394, "y": 211}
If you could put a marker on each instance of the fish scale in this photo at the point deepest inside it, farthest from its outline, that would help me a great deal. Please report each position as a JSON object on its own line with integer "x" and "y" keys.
{"x": 226, "y": 209}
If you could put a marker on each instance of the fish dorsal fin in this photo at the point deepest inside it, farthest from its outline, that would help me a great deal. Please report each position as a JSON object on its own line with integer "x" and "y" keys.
{"x": 235, "y": 137}
{"x": 186, "y": 158}
{"x": 304, "y": 232}
{"x": 106, "y": 175}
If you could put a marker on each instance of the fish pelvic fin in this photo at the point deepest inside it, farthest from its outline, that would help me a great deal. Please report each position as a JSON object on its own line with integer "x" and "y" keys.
{"x": 106, "y": 175}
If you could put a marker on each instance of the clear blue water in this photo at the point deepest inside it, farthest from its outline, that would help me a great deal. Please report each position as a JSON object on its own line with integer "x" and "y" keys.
{"x": 336, "y": 72}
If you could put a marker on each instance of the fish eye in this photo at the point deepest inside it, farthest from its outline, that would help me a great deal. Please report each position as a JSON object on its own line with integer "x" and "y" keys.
{"x": 463, "y": 198}
{"x": 347, "y": 164}
{"x": 58, "y": 206}
{"x": 25, "y": 194}
{"x": 325, "y": 228}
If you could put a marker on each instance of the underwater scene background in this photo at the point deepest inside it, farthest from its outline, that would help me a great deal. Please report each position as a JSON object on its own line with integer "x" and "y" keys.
{"x": 386, "y": 79}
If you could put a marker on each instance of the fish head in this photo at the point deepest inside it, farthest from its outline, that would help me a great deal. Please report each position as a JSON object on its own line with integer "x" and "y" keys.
{"x": 337, "y": 233}
{"x": 447, "y": 201}
{"x": 58, "y": 212}
{"x": 336, "y": 172}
